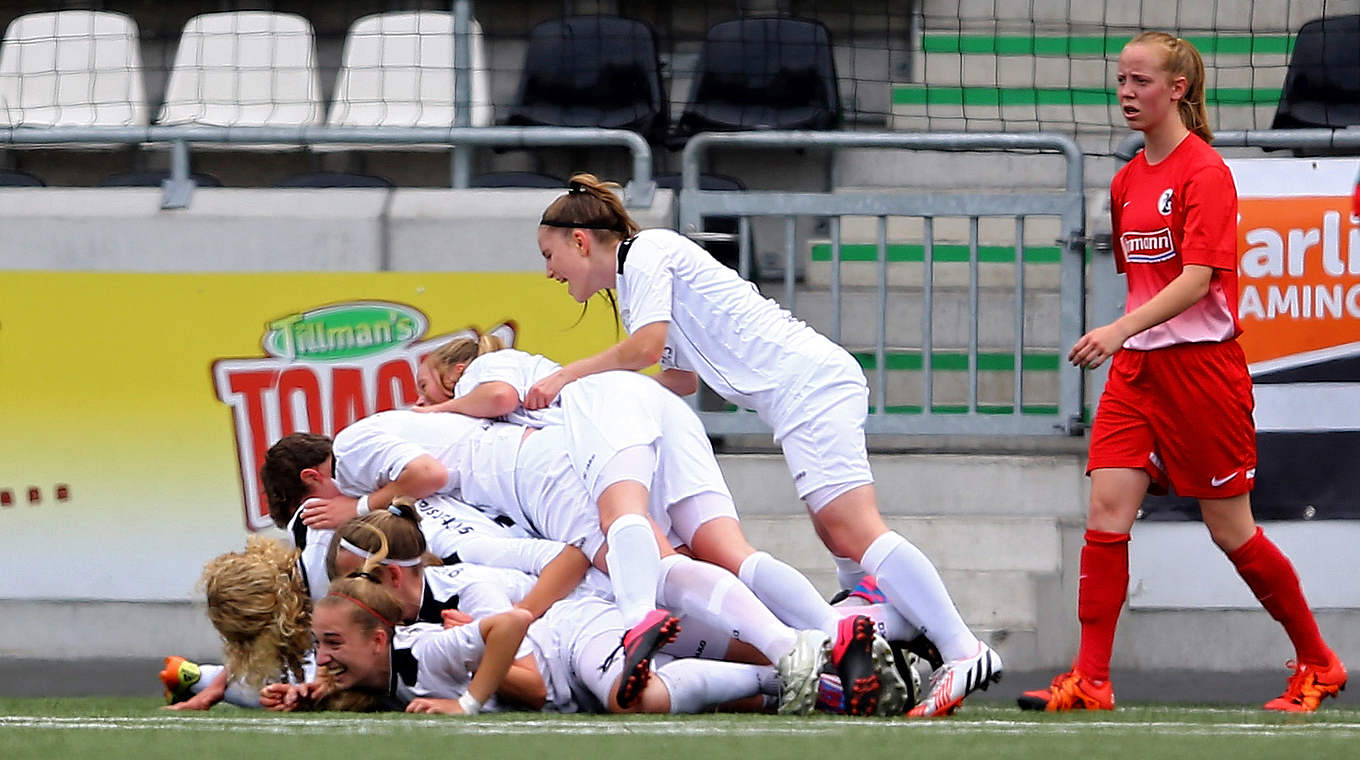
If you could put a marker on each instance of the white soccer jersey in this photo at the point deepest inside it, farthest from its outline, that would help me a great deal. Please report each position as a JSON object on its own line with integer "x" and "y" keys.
{"x": 479, "y": 454}
{"x": 432, "y": 661}
{"x": 313, "y": 545}
{"x": 518, "y": 369}
{"x": 745, "y": 346}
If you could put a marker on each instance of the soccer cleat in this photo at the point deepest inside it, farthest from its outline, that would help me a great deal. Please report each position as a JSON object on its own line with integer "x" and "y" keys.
{"x": 800, "y": 671}
{"x": 857, "y": 663}
{"x": 1070, "y": 691}
{"x": 1309, "y": 686}
{"x": 896, "y": 693}
{"x": 640, "y": 643}
{"x": 954, "y": 680}
{"x": 178, "y": 676}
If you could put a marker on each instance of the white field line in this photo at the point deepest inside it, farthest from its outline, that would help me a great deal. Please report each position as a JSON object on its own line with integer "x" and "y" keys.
{"x": 568, "y": 727}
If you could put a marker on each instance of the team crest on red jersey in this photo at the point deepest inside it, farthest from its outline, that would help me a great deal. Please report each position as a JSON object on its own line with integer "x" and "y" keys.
{"x": 1147, "y": 247}
{"x": 1164, "y": 202}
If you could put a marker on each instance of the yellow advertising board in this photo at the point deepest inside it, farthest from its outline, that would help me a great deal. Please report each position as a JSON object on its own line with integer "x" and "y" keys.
{"x": 136, "y": 407}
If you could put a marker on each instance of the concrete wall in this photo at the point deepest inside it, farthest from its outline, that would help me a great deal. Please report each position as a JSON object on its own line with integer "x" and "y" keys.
{"x": 245, "y": 230}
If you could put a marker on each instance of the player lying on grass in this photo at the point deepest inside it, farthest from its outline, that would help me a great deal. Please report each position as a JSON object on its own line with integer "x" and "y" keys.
{"x": 528, "y": 474}
{"x": 564, "y": 662}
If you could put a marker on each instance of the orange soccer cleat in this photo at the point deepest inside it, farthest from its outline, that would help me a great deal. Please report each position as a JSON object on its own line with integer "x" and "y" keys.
{"x": 1070, "y": 691}
{"x": 178, "y": 678}
{"x": 1309, "y": 686}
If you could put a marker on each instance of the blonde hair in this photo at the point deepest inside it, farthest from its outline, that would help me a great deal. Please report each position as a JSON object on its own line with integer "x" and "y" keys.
{"x": 590, "y": 204}
{"x": 257, "y": 601}
{"x": 383, "y": 534}
{"x": 370, "y": 606}
{"x": 1181, "y": 59}
{"x": 459, "y": 351}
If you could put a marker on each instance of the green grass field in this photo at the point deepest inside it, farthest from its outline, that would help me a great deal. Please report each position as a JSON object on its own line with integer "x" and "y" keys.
{"x": 116, "y": 728}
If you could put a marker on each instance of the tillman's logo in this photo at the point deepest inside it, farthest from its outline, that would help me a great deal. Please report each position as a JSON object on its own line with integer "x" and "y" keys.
{"x": 324, "y": 369}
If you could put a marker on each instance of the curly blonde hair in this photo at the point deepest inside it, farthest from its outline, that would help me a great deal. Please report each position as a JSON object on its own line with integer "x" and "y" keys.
{"x": 258, "y": 602}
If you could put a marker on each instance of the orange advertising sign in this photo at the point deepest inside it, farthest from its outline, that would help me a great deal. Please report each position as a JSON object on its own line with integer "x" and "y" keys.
{"x": 1299, "y": 260}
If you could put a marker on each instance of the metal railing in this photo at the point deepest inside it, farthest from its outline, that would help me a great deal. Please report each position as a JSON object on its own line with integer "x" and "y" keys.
{"x": 179, "y": 187}
{"x": 1303, "y": 139}
{"x": 1068, "y": 205}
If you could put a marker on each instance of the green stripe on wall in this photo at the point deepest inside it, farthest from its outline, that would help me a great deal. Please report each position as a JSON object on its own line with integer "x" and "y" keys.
{"x": 957, "y": 361}
{"x": 1044, "y": 409}
{"x": 943, "y": 253}
{"x": 1059, "y": 46}
{"x": 920, "y": 94}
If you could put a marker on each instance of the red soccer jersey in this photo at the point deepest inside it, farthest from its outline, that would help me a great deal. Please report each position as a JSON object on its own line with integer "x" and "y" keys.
{"x": 1181, "y": 211}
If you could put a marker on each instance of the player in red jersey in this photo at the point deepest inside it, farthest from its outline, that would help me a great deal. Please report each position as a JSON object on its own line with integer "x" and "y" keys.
{"x": 1177, "y": 408}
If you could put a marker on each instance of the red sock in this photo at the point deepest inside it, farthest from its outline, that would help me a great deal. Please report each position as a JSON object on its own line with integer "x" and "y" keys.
{"x": 1273, "y": 579}
{"x": 1100, "y": 596}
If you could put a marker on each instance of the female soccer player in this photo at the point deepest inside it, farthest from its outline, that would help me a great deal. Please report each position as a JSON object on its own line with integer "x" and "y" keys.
{"x": 601, "y": 416}
{"x": 566, "y": 665}
{"x": 699, "y": 319}
{"x": 1177, "y": 408}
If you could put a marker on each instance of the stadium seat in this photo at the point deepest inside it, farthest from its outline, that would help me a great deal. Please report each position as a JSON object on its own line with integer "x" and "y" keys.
{"x": 154, "y": 178}
{"x": 1322, "y": 86}
{"x": 334, "y": 179}
{"x": 17, "y": 178}
{"x": 518, "y": 179}
{"x": 397, "y": 71}
{"x": 727, "y": 252}
{"x": 72, "y": 69}
{"x": 246, "y": 68}
{"x": 592, "y": 71}
{"x": 763, "y": 73}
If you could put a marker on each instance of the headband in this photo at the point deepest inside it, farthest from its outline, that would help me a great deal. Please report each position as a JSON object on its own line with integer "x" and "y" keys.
{"x": 352, "y": 549}
{"x": 363, "y": 607}
{"x": 576, "y": 188}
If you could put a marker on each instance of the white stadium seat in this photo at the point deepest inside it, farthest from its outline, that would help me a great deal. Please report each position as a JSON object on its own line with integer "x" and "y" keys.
{"x": 72, "y": 69}
{"x": 397, "y": 71}
{"x": 246, "y": 68}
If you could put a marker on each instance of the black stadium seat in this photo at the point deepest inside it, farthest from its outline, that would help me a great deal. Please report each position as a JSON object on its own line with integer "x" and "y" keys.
{"x": 518, "y": 179}
{"x": 1322, "y": 86}
{"x": 592, "y": 71}
{"x": 334, "y": 179}
{"x": 764, "y": 73}
{"x": 17, "y": 178}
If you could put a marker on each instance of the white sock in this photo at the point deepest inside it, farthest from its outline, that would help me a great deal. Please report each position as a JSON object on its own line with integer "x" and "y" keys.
{"x": 909, "y": 580}
{"x": 715, "y": 597}
{"x": 788, "y": 593}
{"x": 634, "y": 562}
{"x": 699, "y": 685}
{"x": 848, "y": 571}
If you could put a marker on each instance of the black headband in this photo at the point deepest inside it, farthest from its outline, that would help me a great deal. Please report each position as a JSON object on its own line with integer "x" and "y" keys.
{"x": 576, "y": 188}
{"x": 582, "y": 225}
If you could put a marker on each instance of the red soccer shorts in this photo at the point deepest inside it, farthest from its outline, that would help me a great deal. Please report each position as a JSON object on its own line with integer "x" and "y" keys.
{"x": 1183, "y": 414}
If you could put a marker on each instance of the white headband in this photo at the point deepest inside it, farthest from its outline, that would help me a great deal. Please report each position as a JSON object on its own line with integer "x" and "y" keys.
{"x": 351, "y": 548}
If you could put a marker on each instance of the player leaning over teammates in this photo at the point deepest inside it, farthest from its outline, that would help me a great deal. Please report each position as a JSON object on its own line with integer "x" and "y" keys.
{"x": 377, "y": 454}
{"x": 482, "y": 378}
{"x": 696, "y": 317}
{"x": 1177, "y": 408}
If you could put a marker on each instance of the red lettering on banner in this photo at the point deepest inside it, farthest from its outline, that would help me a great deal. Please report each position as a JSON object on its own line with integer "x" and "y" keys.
{"x": 397, "y": 376}
{"x": 300, "y": 381}
{"x": 347, "y": 397}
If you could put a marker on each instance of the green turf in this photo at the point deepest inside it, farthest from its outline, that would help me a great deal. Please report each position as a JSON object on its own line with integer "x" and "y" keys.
{"x": 118, "y": 728}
